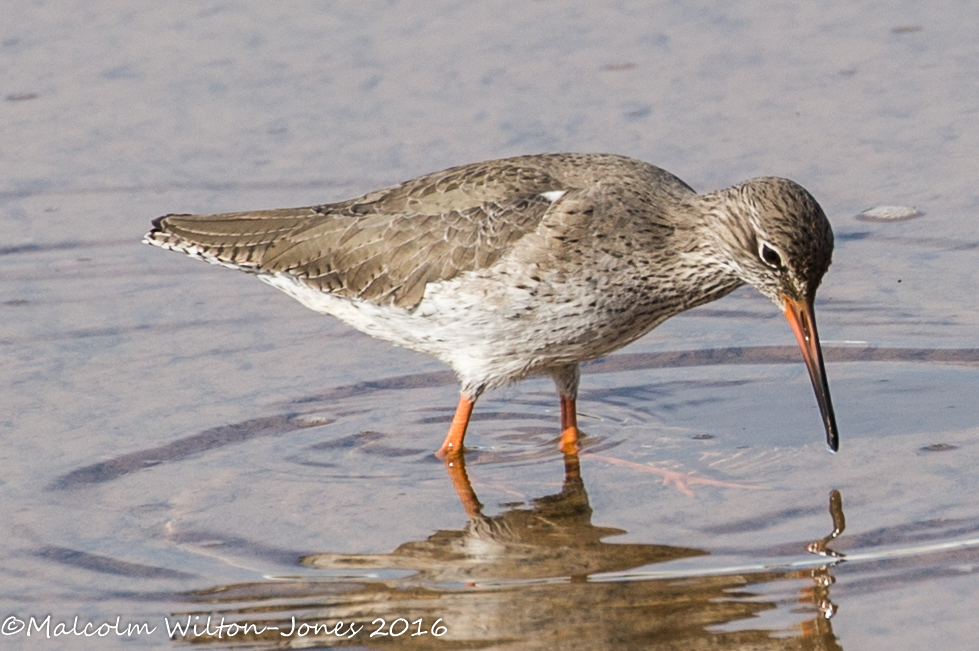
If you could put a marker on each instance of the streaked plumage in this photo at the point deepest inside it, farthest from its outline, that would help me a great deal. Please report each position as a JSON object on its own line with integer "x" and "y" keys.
{"x": 529, "y": 265}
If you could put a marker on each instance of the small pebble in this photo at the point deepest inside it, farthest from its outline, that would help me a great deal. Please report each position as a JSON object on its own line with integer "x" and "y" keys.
{"x": 939, "y": 447}
{"x": 889, "y": 214}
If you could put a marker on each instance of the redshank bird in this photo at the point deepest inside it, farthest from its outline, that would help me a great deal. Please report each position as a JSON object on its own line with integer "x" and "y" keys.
{"x": 531, "y": 265}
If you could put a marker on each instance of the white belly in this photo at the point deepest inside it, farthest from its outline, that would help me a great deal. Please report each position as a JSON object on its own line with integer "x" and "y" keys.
{"x": 491, "y": 333}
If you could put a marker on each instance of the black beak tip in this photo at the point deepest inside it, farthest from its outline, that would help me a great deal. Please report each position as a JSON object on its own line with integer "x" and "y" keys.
{"x": 832, "y": 439}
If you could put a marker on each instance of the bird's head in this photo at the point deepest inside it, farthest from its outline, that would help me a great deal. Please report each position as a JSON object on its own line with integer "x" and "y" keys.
{"x": 777, "y": 239}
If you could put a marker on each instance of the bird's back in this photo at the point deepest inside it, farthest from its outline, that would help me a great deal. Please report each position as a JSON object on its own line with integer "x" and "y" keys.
{"x": 386, "y": 246}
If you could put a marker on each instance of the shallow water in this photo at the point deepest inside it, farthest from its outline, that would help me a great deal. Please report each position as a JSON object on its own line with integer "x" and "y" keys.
{"x": 180, "y": 441}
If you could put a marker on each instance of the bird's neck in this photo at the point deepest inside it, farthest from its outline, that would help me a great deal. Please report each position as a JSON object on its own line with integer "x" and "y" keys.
{"x": 703, "y": 243}
{"x": 720, "y": 223}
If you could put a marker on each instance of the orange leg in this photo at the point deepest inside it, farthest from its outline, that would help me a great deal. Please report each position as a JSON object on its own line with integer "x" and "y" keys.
{"x": 457, "y": 430}
{"x": 569, "y": 426}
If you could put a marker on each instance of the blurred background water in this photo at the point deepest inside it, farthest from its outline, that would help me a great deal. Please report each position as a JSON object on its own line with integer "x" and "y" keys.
{"x": 182, "y": 441}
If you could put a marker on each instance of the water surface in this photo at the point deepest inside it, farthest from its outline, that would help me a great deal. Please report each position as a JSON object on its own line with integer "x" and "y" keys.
{"x": 182, "y": 442}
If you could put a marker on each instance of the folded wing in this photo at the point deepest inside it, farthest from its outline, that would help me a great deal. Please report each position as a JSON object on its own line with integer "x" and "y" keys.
{"x": 385, "y": 246}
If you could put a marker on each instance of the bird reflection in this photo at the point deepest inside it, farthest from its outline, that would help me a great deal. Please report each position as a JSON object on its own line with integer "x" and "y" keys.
{"x": 822, "y": 579}
{"x": 530, "y": 577}
{"x": 554, "y": 538}
{"x": 839, "y": 524}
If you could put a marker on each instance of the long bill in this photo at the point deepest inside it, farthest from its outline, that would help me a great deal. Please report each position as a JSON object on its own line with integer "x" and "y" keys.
{"x": 803, "y": 321}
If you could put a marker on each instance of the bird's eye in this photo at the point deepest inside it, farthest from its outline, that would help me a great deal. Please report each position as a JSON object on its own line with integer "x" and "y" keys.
{"x": 770, "y": 256}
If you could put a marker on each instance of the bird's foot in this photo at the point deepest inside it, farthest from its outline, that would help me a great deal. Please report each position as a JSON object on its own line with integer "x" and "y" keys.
{"x": 569, "y": 440}
{"x": 682, "y": 481}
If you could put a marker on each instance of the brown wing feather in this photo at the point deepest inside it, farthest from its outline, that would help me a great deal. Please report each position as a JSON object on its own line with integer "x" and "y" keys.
{"x": 385, "y": 246}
